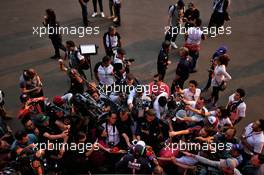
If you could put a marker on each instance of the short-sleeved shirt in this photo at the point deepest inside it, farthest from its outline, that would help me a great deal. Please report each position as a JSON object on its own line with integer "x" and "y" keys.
{"x": 241, "y": 108}
{"x": 254, "y": 139}
{"x": 29, "y": 84}
{"x": 194, "y": 35}
{"x": 190, "y": 96}
{"x": 31, "y": 139}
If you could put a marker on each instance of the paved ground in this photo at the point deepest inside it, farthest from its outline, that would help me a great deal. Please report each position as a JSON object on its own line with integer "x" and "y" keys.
{"x": 142, "y": 35}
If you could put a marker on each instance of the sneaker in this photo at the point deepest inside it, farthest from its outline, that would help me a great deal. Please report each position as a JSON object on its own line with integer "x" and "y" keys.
{"x": 94, "y": 14}
{"x": 174, "y": 45}
{"x": 102, "y": 14}
{"x": 115, "y": 19}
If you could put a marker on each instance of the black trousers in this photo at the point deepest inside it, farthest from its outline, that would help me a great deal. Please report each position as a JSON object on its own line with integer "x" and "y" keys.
{"x": 111, "y": 7}
{"x": 84, "y": 13}
{"x": 179, "y": 82}
{"x": 161, "y": 71}
{"x": 215, "y": 94}
{"x": 100, "y": 5}
{"x": 117, "y": 8}
{"x": 57, "y": 44}
{"x": 172, "y": 34}
{"x": 217, "y": 19}
{"x": 195, "y": 56}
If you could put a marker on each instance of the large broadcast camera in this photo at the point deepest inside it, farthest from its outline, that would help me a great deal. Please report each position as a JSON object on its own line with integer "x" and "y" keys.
{"x": 87, "y": 106}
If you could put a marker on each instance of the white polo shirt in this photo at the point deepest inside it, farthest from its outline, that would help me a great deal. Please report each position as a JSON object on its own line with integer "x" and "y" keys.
{"x": 190, "y": 96}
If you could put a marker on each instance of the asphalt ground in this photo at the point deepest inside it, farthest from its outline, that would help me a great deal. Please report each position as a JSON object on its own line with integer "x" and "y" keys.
{"x": 142, "y": 33}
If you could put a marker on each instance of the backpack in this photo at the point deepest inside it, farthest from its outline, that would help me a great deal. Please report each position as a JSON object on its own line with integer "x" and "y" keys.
{"x": 174, "y": 8}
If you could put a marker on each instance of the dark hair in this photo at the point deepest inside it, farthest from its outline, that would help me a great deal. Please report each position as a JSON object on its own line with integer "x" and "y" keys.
{"x": 25, "y": 119}
{"x": 106, "y": 59}
{"x": 130, "y": 77}
{"x": 111, "y": 28}
{"x": 162, "y": 101}
{"x": 201, "y": 98}
{"x": 224, "y": 59}
{"x": 180, "y": 3}
{"x": 51, "y": 16}
{"x": 195, "y": 83}
{"x": 198, "y": 22}
{"x": 241, "y": 92}
{"x": 19, "y": 135}
{"x": 165, "y": 44}
{"x": 70, "y": 43}
{"x": 261, "y": 121}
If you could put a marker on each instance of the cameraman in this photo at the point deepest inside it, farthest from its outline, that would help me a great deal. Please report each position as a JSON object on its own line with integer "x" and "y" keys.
{"x": 112, "y": 41}
{"x": 121, "y": 65}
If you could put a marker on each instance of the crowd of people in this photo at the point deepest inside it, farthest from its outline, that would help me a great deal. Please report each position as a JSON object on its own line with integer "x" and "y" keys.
{"x": 119, "y": 125}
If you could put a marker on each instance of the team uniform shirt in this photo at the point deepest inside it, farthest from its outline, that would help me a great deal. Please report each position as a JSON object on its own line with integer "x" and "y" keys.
{"x": 190, "y": 96}
{"x": 241, "y": 108}
{"x": 219, "y": 8}
{"x": 254, "y": 139}
{"x": 111, "y": 41}
{"x": 105, "y": 75}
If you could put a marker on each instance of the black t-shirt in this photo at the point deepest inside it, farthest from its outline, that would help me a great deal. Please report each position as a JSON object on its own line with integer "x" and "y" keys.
{"x": 192, "y": 15}
{"x": 129, "y": 164}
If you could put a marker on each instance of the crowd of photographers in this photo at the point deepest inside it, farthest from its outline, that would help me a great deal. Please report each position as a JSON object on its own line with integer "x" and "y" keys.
{"x": 119, "y": 125}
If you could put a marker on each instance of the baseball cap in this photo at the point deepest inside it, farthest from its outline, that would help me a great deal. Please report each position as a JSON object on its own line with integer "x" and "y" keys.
{"x": 221, "y": 50}
{"x": 57, "y": 100}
